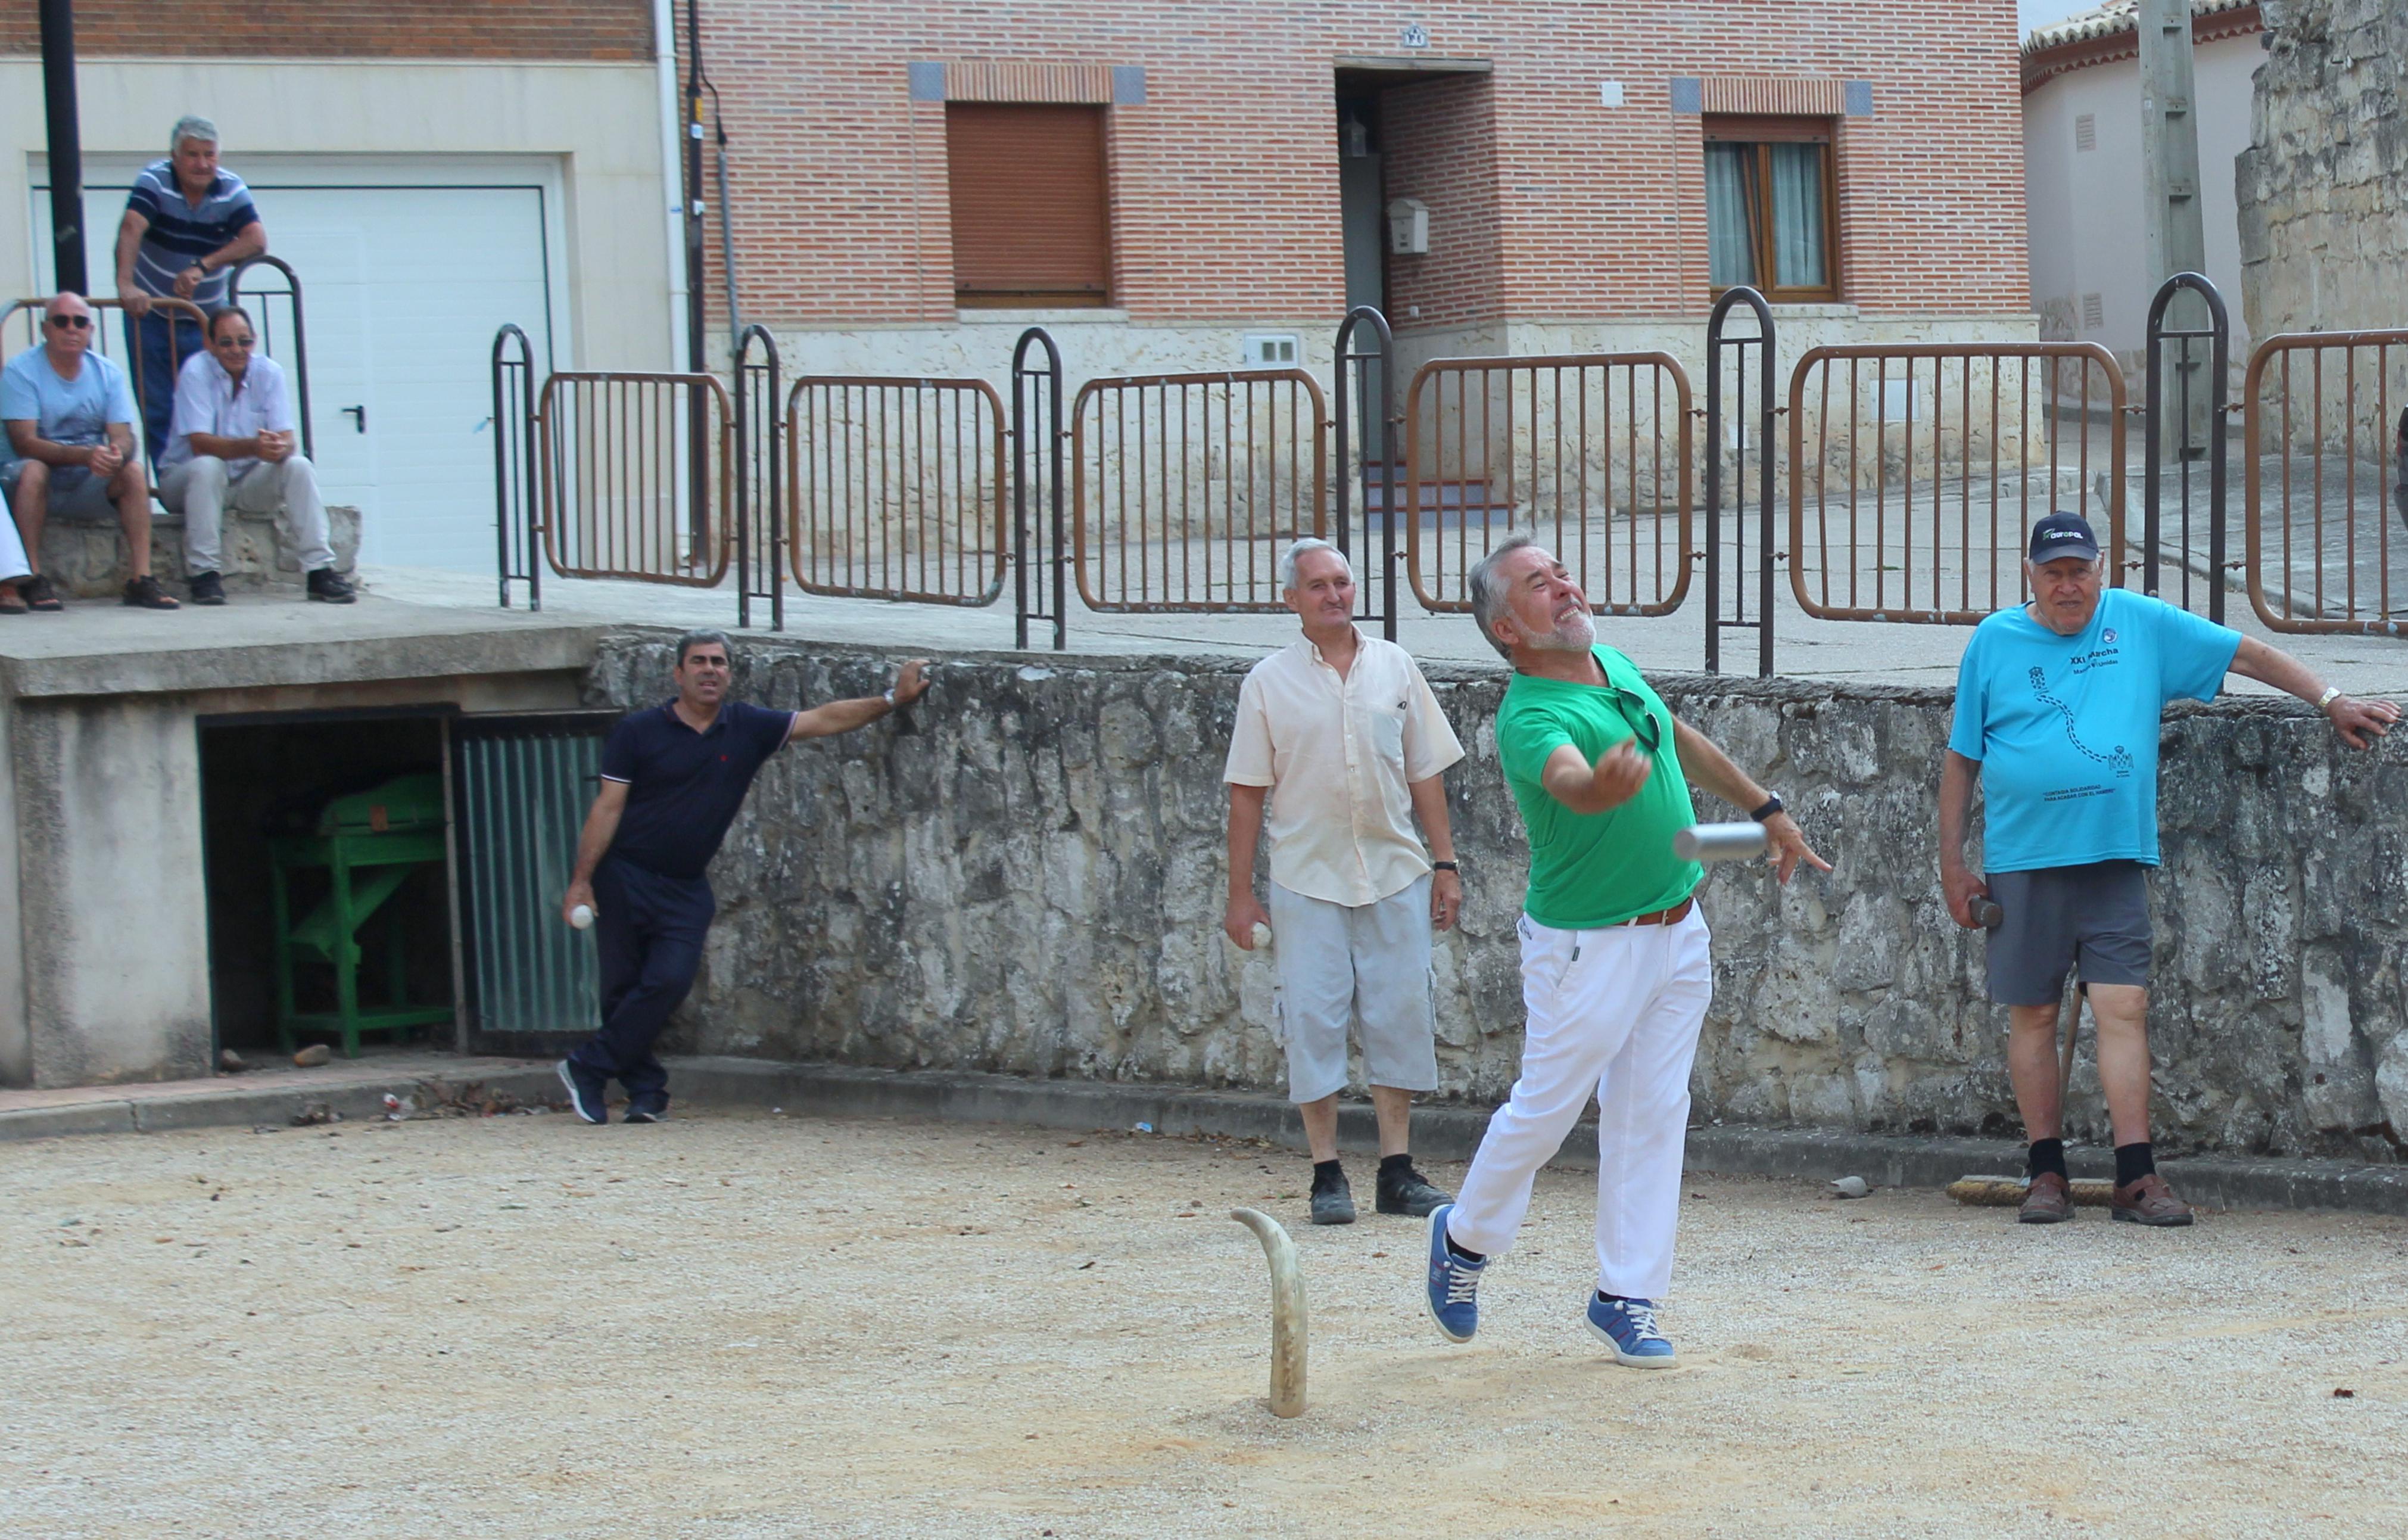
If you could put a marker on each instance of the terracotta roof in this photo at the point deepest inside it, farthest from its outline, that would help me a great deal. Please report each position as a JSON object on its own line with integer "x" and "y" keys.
{"x": 2112, "y": 18}
{"x": 2111, "y": 31}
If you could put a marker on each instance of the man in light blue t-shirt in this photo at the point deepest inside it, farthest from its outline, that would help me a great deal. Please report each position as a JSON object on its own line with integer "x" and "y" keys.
{"x": 2058, "y": 703}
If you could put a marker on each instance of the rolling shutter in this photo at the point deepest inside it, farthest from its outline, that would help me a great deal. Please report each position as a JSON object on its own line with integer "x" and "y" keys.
{"x": 1032, "y": 223}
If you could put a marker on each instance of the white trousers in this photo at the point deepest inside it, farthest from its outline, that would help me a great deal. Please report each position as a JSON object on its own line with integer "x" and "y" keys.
{"x": 1614, "y": 1015}
{"x": 201, "y": 490}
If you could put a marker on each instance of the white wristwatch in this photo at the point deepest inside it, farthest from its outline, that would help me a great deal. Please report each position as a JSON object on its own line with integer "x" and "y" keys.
{"x": 889, "y": 698}
{"x": 2332, "y": 693}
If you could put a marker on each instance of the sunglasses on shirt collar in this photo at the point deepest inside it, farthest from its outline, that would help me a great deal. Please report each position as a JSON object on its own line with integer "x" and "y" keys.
{"x": 1644, "y": 727}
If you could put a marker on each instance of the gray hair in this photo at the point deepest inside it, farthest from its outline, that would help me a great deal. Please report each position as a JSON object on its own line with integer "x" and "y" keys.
{"x": 191, "y": 125}
{"x": 692, "y": 640}
{"x": 1289, "y": 557}
{"x": 1488, "y": 589}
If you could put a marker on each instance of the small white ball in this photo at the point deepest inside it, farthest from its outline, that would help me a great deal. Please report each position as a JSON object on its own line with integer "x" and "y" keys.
{"x": 581, "y": 916}
{"x": 1262, "y": 936}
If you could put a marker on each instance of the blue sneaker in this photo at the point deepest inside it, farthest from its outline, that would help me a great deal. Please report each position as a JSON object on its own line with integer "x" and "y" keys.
{"x": 585, "y": 1091}
{"x": 645, "y": 1112}
{"x": 1628, "y": 1326}
{"x": 1454, "y": 1284}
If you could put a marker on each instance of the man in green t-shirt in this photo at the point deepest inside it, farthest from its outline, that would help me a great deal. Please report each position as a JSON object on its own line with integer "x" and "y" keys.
{"x": 1615, "y": 971}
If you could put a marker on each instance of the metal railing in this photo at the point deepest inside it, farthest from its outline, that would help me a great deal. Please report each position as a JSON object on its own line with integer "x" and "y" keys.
{"x": 1040, "y": 570}
{"x": 1917, "y": 471}
{"x": 759, "y": 514}
{"x": 2323, "y": 466}
{"x": 516, "y": 478}
{"x": 898, "y": 488}
{"x": 620, "y": 464}
{"x": 1591, "y": 451}
{"x": 287, "y": 343}
{"x": 1370, "y": 459}
{"x": 2193, "y": 433}
{"x": 1185, "y": 487}
{"x": 1735, "y": 429}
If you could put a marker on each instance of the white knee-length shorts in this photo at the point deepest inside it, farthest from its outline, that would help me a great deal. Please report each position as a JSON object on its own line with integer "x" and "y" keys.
{"x": 1364, "y": 968}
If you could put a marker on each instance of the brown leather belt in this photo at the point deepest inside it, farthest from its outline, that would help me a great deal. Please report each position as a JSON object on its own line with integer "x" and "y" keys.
{"x": 1673, "y": 915}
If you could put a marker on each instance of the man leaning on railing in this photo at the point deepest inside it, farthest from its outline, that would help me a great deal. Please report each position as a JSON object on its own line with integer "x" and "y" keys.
{"x": 188, "y": 224}
{"x": 232, "y": 443}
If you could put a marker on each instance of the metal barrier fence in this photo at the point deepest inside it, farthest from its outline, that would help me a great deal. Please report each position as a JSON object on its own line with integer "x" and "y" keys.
{"x": 1733, "y": 430}
{"x": 1592, "y": 452}
{"x": 1185, "y": 487}
{"x": 2322, "y": 468}
{"x": 759, "y": 515}
{"x": 2193, "y": 435}
{"x": 515, "y": 457}
{"x": 1038, "y": 496}
{"x": 1369, "y": 459}
{"x": 286, "y": 341}
{"x": 628, "y": 488}
{"x": 898, "y": 488}
{"x": 1917, "y": 471}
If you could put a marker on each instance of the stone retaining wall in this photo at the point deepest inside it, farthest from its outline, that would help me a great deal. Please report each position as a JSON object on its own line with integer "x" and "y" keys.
{"x": 1032, "y": 880}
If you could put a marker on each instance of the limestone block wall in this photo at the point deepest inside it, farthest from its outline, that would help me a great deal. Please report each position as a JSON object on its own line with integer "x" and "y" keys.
{"x": 1031, "y": 881}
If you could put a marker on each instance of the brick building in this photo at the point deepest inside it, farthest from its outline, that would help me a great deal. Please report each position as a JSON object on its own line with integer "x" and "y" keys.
{"x": 430, "y": 171}
{"x": 1180, "y": 186}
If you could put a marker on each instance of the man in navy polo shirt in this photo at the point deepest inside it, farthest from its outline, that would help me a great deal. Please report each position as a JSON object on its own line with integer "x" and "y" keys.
{"x": 188, "y": 226}
{"x": 2058, "y": 703}
{"x": 673, "y": 776}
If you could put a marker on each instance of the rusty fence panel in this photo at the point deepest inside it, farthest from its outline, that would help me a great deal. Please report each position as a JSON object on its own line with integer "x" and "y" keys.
{"x": 1185, "y": 488}
{"x": 2324, "y": 415}
{"x": 636, "y": 478}
{"x": 1916, "y": 471}
{"x": 898, "y": 488}
{"x": 1592, "y": 453}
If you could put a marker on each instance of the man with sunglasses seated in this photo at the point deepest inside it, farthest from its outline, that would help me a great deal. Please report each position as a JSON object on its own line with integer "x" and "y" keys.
{"x": 70, "y": 422}
{"x": 1616, "y": 972}
{"x": 231, "y": 443}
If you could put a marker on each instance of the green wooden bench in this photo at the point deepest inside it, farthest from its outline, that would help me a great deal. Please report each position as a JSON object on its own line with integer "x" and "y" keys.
{"x": 367, "y": 844}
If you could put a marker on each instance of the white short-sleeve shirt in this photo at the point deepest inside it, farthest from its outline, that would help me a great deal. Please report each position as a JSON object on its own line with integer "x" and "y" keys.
{"x": 1339, "y": 754}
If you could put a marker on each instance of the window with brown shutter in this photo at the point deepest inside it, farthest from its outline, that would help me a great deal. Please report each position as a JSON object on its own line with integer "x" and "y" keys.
{"x": 1772, "y": 206}
{"x": 1032, "y": 221}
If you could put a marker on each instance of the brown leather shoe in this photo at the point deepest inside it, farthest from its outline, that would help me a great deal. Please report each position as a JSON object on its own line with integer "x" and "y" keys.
{"x": 2148, "y": 1201}
{"x": 2046, "y": 1202}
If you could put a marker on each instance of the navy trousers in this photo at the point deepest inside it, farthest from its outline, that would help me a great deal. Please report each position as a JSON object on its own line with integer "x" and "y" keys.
{"x": 650, "y": 929}
{"x": 163, "y": 341}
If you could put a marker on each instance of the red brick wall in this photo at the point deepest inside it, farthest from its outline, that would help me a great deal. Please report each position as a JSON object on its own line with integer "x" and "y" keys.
{"x": 346, "y": 29}
{"x": 1226, "y": 180}
{"x": 1439, "y": 142}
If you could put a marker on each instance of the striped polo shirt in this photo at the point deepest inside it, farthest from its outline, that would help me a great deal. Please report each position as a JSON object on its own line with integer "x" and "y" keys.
{"x": 180, "y": 234}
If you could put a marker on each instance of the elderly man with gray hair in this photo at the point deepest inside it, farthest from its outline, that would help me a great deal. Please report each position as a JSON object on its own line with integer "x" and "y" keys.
{"x": 188, "y": 226}
{"x": 1341, "y": 734}
{"x": 1617, "y": 971}
{"x": 673, "y": 777}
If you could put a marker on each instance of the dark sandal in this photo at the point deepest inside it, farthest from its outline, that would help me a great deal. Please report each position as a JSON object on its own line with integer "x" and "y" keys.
{"x": 38, "y": 594}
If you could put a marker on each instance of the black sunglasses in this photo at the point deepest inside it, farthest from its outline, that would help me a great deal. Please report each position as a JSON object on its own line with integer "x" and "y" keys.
{"x": 1644, "y": 727}
{"x": 72, "y": 323}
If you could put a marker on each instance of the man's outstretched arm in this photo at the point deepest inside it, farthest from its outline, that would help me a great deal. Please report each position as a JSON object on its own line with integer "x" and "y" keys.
{"x": 1703, "y": 762}
{"x": 2351, "y": 717}
{"x": 836, "y": 717}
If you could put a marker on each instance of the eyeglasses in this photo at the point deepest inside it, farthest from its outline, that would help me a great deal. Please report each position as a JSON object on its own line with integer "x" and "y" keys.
{"x": 72, "y": 323}
{"x": 244, "y": 342}
{"x": 1644, "y": 727}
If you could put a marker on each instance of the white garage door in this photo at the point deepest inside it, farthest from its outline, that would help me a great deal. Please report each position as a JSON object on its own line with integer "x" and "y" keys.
{"x": 404, "y": 287}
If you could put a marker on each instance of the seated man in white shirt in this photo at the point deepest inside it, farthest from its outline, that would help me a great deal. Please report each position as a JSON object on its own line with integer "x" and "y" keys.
{"x": 231, "y": 443}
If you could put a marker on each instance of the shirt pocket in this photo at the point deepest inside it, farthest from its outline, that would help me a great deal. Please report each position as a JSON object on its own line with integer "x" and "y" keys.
{"x": 1388, "y": 733}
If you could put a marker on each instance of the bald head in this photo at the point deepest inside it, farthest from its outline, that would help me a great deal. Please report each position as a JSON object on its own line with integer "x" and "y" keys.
{"x": 66, "y": 326}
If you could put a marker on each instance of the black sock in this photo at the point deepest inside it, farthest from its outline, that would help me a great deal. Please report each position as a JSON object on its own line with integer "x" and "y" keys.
{"x": 1462, "y": 1255}
{"x": 1327, "y": 1173}
{"x": 1396, "y": 1167}
{"x": 2134, "y": 1161}
{"x": 1611, "y": 1299}
{"x": 2046, "y": 1155}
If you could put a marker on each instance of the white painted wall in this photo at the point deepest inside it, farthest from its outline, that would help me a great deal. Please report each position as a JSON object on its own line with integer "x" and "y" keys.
{"x": 597, "y": 123}
{"x": 2084, "y": 212}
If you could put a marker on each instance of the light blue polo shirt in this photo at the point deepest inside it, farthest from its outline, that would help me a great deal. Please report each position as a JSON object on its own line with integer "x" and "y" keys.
{"x": 2066, "y": 727}
{"x": 64, "y": 411}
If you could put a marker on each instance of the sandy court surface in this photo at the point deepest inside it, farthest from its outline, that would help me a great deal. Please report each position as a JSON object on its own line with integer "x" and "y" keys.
{"x": 738, "y": 1326}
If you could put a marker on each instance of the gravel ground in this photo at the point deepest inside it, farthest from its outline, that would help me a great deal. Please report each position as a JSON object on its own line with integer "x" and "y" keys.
{"x": 742, "y": 1326}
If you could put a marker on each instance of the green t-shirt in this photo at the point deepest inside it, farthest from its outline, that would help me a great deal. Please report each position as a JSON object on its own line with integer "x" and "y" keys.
{"x": 1595, "y": 868}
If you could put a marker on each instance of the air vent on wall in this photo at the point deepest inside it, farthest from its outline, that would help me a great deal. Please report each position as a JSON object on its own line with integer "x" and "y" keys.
{"x": 2094, "y": 315}
{"x": 2085, "y": 131}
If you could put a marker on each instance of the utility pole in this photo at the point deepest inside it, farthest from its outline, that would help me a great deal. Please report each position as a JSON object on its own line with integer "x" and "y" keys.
{"x": 67, "y": 145}
{"x": 699, "y": 524}
{"x": 2170, "y": 182}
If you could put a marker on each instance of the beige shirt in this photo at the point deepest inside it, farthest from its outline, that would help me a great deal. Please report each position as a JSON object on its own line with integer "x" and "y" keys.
{"x": 1338, "y": 755}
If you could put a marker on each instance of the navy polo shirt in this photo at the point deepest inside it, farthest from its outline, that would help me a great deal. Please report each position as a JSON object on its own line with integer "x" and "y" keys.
{"x": 683, "y": 786}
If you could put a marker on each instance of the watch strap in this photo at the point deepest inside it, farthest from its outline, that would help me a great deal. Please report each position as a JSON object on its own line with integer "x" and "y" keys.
{"x": 1445, "y": 866}
{"x": 1772, "y": 806}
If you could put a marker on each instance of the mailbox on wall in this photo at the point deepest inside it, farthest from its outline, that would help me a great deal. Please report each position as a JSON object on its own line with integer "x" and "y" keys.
{"x": 1408, "y": 227}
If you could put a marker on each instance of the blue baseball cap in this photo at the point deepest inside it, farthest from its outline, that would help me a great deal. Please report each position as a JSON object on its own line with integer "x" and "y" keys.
{"x": 2062, "y": 535}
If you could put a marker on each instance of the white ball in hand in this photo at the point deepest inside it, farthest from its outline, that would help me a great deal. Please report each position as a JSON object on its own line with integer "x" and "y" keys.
{"x": 1262, "y": 937}
{"x": 581, "y": 916}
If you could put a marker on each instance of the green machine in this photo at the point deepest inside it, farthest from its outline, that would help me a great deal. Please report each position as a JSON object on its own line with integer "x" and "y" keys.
{"x": 367, "y": 846}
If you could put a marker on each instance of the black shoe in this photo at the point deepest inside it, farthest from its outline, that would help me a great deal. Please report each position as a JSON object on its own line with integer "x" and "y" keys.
{"x": 207, "y": 589}
{"x": 327, "y": 587}
{"x": 1409, "y": 1193}
{"x": 38, "y": 594}
{"x": 144, "y": 592}
{"x": 1333, "y": 1200}
{"x": 585, "y": 1091}
{"x": 645, "y": 1113}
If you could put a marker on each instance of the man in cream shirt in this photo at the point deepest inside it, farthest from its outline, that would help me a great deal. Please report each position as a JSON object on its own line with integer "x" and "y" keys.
{"x": 1339, "y": 733}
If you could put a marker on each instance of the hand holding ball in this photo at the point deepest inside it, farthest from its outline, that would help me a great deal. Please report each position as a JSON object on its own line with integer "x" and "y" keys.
{"x": 1262, "y": 936}
{"x": 581, "y": 916}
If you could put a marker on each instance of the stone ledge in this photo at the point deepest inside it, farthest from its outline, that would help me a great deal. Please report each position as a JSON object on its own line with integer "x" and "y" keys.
{"x": 86, "y": 558}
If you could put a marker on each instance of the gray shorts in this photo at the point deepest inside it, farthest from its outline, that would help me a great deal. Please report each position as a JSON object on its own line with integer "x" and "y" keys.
{"x": 1366, "y": 969}
{"x": 75, "y": 494}
{"x": 2093, "y": 919}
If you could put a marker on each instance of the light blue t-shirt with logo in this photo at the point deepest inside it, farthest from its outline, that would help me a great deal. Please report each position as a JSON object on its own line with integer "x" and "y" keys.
{"x": 64, "y": 411}
{"x": 2066, "y": 727}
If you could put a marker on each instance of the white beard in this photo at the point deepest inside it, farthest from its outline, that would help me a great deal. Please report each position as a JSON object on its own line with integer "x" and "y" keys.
{"x": 1577, "y": 634}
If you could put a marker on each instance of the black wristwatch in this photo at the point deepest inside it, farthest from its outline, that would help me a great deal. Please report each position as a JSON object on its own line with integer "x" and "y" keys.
{"x": 1446, "y": 866}
{"x": 1772, "y": 806}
